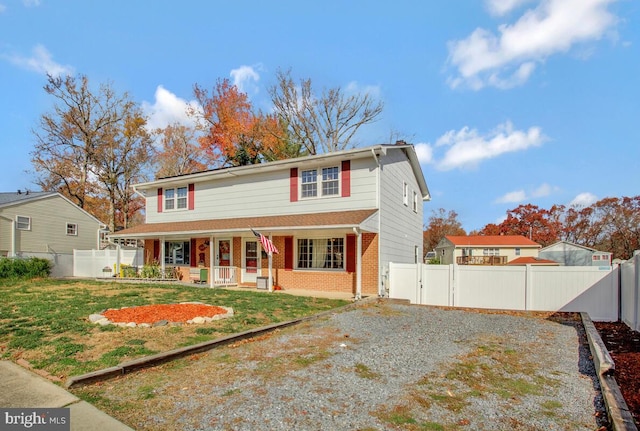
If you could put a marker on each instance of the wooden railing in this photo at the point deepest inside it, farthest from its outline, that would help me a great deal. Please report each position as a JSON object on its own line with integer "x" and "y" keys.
{"x": 481, "y": 260}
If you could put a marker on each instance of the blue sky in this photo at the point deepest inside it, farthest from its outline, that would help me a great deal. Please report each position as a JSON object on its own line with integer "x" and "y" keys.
{"x": 508, "y": 102}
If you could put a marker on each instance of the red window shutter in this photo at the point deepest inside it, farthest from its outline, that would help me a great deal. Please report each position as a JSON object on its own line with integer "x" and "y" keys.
{"x": 346, "y": 178}
{"x": 293, "y": 185}
{"x": 351, "y": 253}
{"x": 192, "y": 253}
{"x": 156, "y": 250}
{"x": 288, "y": 253}
{"x": 192, "y": 196}
{"x": 160, "y": 200}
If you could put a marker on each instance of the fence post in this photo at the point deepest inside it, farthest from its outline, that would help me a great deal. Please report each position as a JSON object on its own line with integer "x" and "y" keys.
{"x": 453, "y": 269}
{"x": 528, "y": 286}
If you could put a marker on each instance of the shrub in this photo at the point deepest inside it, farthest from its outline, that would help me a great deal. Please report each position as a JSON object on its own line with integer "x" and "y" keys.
{"x": 32, "y": 267}
{"x": 151, "y": 270}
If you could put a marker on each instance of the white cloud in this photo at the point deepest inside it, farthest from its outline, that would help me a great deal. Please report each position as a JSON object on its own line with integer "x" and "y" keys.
{"x": 584, "y": 200}
{"x": 509, "y": 58}
{"x": 521, "y": 196}
{"x": 41, "y": 62}
{"x": 467, "y": 148}
{"x": 2, "y": 8}
{"x": 503, "y": 7}
{"x": 167, "y": 109}
{"x": 246, "y": 78}
{"x": 424, "y": 153}
{"x": 512, "y": 197}
{"x": 354, "y": 88}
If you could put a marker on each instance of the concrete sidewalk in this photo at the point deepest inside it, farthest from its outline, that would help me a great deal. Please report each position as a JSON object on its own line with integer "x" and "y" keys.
{"x": 21, "y": 388}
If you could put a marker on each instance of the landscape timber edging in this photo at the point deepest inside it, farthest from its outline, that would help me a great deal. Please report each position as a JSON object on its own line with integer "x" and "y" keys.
{"x": 617, "y": 409}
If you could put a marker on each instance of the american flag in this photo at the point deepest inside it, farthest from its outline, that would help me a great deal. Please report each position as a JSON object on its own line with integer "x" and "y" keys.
{"x": 267, "y": 244}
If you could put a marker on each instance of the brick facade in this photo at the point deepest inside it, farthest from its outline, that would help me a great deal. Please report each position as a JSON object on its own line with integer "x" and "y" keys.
{"x": 327, "y": 281}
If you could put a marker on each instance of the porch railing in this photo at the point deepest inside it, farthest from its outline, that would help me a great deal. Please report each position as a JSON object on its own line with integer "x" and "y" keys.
{"x": 481, "y": 260}
{"x": 224, "y": 275}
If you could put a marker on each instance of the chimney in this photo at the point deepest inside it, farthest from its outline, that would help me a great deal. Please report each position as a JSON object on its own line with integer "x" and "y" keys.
{"x": 401, "y": 142}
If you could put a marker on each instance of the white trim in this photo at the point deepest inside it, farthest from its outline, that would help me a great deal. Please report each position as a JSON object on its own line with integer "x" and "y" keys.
{"x": 75, "y": 229}
{"x": 18, "y": 217}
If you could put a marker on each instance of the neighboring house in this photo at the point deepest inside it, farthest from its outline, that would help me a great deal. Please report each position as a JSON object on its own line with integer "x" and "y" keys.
{"x": 570, "y": 254}
{"x": 48, "y": 225}
{"x": 536, "y": 261}
{"x": 337, "y": 220}
{"x": 485, "y": 249}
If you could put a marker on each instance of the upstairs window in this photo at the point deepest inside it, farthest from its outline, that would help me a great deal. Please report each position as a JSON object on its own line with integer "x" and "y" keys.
{"x": 309, "y": 183}
{"x": 517, "y": 251}
{"x": 327, "y": 181}
{"x": 176, "y": 198}
{"x": 330, "y": 183}
{"x": 491, "y": 252}
{"x": 72, "y": 229}
{"x": 415, "y": 202}
{"x": 23, "y": 223}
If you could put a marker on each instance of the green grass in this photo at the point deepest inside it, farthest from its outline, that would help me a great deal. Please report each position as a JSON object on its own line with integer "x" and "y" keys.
{"x": 46, "y": 321}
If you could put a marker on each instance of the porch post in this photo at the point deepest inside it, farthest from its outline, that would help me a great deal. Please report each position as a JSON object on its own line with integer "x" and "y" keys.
{"x": 161, "y": 257}
{"x": 212, "y": 261}
{"x": 358, "y": 264}
{"x": 270, "y": 263}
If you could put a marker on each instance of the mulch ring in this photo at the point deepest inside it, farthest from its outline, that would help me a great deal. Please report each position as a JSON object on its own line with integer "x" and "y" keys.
{"x": 161, "y": 314}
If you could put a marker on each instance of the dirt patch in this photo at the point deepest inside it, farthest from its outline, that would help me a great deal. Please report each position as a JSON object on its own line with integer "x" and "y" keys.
{"x": 624, "y": 346}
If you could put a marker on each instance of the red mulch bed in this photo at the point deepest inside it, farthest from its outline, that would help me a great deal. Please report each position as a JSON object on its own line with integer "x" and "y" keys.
{"x": 624, "y": 346}
{"x": 170, "y": 312}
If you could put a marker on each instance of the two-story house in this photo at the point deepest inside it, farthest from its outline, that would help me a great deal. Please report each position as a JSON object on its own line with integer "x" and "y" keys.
{"x": 485, "y": 249}
{"x": 47, "y": 225}
{"x": 336, "y": 219}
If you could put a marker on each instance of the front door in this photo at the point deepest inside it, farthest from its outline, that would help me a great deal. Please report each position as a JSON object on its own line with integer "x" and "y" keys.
{"x": 250, "y": 260}
{"x": 223, "y": 252}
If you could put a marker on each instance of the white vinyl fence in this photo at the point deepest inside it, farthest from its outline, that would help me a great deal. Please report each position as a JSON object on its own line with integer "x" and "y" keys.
{"x": 630, "y": 292}
{"x": 94, "y": 263}
{"x": 536, "y": 288}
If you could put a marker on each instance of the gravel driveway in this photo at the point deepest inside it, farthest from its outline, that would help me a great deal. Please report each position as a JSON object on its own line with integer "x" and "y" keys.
{"x": 377, "y": 366}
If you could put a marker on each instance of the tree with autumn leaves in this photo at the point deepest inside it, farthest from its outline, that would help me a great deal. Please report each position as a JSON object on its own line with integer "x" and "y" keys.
{"x": 234, "y": 134}
{"x": 91, "y": 148}
{"x": 610, "y": 224}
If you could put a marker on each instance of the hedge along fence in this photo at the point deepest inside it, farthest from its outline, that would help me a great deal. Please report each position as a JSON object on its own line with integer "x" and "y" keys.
{"x": 32, "y": 267}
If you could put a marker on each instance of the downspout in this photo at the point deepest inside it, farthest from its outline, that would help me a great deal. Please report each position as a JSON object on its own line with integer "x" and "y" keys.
{"x": 381, "y": 273}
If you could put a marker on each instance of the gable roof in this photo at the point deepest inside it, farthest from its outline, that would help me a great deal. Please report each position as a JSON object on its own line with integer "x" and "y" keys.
{"x": 567, "y": 246}
{"x": 10, "y": 198}
{"x": 491, "y": 241}
{"x": 372, "y": 151}
{"x": 338, "y": 219}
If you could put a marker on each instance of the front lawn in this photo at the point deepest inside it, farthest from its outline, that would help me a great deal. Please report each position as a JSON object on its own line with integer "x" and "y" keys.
{"x": 45, "y": 322}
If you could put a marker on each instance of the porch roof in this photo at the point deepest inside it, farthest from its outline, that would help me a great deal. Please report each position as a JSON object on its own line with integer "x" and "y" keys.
{"x": 327, "y": 220}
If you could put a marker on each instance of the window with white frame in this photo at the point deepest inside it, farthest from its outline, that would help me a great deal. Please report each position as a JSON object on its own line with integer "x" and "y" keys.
{"x": 321, "y": 253}
{"x": 517, "y": 251}
{"x": 175, "y": 198}
{"x": 23, "y": 223}
{"x": 72, "y": 229}
{"x": 415, "y": 202}
{"x": 405, "y": 193}
{"x": 491, "y": 252}
{"x": 320, "y": 182}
